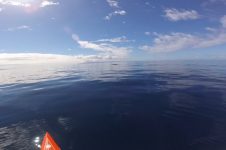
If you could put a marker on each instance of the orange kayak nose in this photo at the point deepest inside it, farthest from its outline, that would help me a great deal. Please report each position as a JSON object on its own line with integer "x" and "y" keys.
{"x": 48, "y": 143}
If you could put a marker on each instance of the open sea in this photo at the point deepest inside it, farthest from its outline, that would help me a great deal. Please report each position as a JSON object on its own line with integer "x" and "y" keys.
{"x": 162, "y": 105}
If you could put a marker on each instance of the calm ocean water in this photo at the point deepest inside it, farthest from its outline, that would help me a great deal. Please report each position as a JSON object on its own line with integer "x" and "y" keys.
{"x": 174, "y": 105}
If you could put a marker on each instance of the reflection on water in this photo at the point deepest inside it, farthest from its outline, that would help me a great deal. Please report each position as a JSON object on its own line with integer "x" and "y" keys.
{"x": 16, "y": 74}
{"x": 21, "y": 135}
{"x": 122, "y": 105}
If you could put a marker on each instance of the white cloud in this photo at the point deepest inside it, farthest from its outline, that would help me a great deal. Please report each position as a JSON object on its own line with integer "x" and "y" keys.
{"x": 120, "y": 12}
{"x": 122, "y": 39}
{"x": 223, "y": 21}
{"x": 28, "y": 3}
{"x": 36, "y": 58}
{"x": 48, "y": 3}
{"x": 211, "y": 40}
{"x": 15, "y": 3}
{"x": 113, "y": 3}
{"x": 23, "y": 27}
{"x": 171, "y": 42}
{"x": 173, "y": 14}
{"x": 115, "y": 13}
{"x": 104, "y": 49}
{"x": 1, "y": 9}
{"x": 179, "y": 41}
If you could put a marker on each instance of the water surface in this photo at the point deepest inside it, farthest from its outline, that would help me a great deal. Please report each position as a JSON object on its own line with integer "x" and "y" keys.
{"x": 174, "y": 105}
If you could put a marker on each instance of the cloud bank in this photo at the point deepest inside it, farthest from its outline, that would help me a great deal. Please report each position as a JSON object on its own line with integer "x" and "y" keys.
{"x": 105, "y": 49}
{"x": 36, "y": 58}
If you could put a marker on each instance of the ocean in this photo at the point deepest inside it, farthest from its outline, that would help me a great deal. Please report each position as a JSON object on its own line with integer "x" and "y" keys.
{"x": 137, "y": 105}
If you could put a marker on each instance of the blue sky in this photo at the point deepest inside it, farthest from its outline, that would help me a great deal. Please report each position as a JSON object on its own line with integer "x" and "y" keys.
{"x": 114, "y": 29}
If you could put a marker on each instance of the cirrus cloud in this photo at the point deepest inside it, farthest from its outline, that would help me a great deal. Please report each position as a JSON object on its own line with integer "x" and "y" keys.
{"x": 36, "y": 58}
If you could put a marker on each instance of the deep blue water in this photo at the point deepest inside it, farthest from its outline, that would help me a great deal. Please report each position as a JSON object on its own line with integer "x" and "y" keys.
{"x": 174, "y": 105}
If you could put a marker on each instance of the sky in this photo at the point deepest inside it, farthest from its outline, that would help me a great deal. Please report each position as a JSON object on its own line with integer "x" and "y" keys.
{"x": 112, "y": 29}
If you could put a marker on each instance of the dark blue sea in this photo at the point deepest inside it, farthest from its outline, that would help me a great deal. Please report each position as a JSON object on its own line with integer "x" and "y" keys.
{"x": 161, "y": 105}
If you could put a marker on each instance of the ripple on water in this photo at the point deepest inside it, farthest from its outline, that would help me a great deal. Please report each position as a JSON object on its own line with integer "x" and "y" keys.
{"x": 22, "y": 135}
